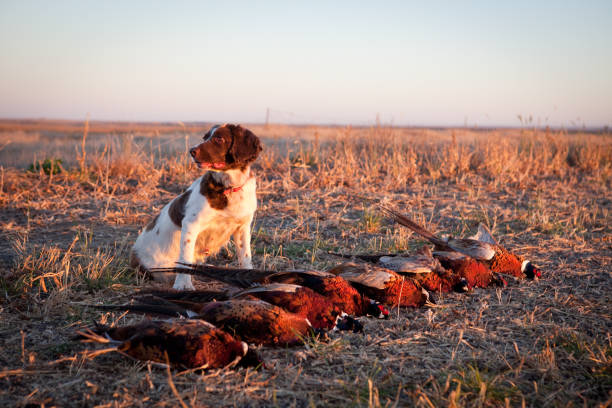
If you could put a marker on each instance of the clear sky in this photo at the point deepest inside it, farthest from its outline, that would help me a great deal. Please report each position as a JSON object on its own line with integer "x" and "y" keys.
{"x": 412, "y": 62}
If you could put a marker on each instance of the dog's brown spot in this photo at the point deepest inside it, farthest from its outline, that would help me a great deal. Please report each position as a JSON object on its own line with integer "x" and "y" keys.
{"x": 177, "y": 208}
{"x": 245, "y": 149}
{"x": 231, "y": 145}
{"x": 152, "y": 223}
{"x": 213, "y": 191}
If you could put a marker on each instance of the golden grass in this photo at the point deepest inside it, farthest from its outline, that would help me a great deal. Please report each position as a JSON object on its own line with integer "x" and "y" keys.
{"x": 65, "y": 239}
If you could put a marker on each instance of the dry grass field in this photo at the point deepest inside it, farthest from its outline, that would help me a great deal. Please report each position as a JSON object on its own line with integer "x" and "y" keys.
{"x": 65, "y": 236}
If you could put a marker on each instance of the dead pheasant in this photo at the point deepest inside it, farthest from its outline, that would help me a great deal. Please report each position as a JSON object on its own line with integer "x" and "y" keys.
{"x": 184, "y": 344}
{"x": 253, "y": 321}
{"x": 304, "y": 302}
{"x": 475, "y": 273}
{"x": 382, "y": 284}
{"x": 300, "y": 300}
{"x": 259, "y": 322}
{"x": 334, "y": 288}
{"x": 422, "y": 267}
{"x": 482, "y": 247}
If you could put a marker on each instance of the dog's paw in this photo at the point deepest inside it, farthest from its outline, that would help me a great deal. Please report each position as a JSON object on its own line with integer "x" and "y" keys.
{"x": 183, "y": 286}
{"x": 183, "y": 283}
{"x": 246, "y": 264}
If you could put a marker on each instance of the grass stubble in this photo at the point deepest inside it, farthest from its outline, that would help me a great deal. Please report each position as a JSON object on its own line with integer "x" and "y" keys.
{"x": 545, "y": 194}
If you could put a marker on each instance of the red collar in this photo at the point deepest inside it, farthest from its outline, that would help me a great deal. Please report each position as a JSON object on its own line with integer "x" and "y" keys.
{"x": 232, "y": 190}
{"x": 236, "y": 189}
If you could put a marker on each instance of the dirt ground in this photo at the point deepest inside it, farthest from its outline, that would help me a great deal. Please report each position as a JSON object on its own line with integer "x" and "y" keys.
{"x": 65, "y": 237}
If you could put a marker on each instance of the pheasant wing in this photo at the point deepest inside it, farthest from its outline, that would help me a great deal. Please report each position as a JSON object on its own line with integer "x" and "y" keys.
{"x": 365, "y": 275}
{"x": 481, "y": 251}
{"x": 402, "y": 264}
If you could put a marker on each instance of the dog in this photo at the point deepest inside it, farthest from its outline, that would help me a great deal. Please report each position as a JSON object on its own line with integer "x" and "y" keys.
{"x": 218, "y": 205}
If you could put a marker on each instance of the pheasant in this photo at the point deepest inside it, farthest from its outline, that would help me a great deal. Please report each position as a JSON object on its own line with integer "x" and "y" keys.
{"x": 382, "y": 284}
{"x": 423, "y": 268}
{"x": 482, "y": 247}
{"x": 475, "y": 273}
{"x": 184, "y": 344}
{"x": 251, "y": 320}
{"x": 334, "y": 288}
{"x": 259, "y": 322}
{"x": 300, "y": 300}
{"x": 304, "y": 302}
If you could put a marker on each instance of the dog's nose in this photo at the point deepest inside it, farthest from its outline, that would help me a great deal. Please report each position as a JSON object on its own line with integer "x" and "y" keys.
{"x": 192, "y": 152}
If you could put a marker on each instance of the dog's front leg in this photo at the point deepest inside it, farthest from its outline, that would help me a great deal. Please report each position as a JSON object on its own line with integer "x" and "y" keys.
{"x": 242, "y": 240}
{"x": 189, "y": 234}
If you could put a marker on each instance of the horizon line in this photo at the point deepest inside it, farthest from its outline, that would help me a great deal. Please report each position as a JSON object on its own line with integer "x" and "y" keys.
{"x": 374, "y": 123}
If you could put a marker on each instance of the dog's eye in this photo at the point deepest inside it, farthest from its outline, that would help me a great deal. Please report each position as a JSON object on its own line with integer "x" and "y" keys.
{"x": 218, "y": 139}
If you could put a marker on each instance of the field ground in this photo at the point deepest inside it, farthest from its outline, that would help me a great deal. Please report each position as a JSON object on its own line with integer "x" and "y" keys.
{"x": 545, "y": 194}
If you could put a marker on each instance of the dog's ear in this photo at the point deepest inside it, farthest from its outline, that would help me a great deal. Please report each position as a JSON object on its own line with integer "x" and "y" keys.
{"x": 246, "y": 147}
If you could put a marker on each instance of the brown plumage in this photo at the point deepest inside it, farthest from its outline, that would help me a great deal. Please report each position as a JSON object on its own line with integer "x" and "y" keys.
{"x": 382, "y": 284}
{"x": 294, "y": 298}
{"x": 183, "y": 343}
{"x": 334, "y": 288}
{"x": 305, "y": 302}
{"x": 251, "y": 320}
{"x": 259, "y": 322}
{"x": 422, "y": 267}
{"x": 476, "y": 273}
{"x": 482, "y": 247}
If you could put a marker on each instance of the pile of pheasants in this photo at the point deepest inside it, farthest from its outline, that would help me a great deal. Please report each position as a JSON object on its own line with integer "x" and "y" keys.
{"x": 212, "y": 329}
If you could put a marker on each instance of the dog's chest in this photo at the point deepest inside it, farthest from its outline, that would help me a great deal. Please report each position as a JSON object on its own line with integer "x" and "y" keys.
{"x": 220, "y": 227}
{"x": 226, "y": 200}
{"x": 229, "y": 210}
{"x": 222, "y": 224}
{"x": 240, "y": 208}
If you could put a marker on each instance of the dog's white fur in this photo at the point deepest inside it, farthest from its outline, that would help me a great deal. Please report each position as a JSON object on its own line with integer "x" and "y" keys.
{"x": 204, "y": 229}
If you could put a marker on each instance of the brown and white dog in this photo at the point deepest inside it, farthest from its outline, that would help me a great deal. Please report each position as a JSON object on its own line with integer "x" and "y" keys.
{"x": 217, "y": 206}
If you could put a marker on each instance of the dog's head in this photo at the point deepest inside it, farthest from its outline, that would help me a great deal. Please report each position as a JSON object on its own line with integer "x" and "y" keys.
{"x": 226, "y": 147}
